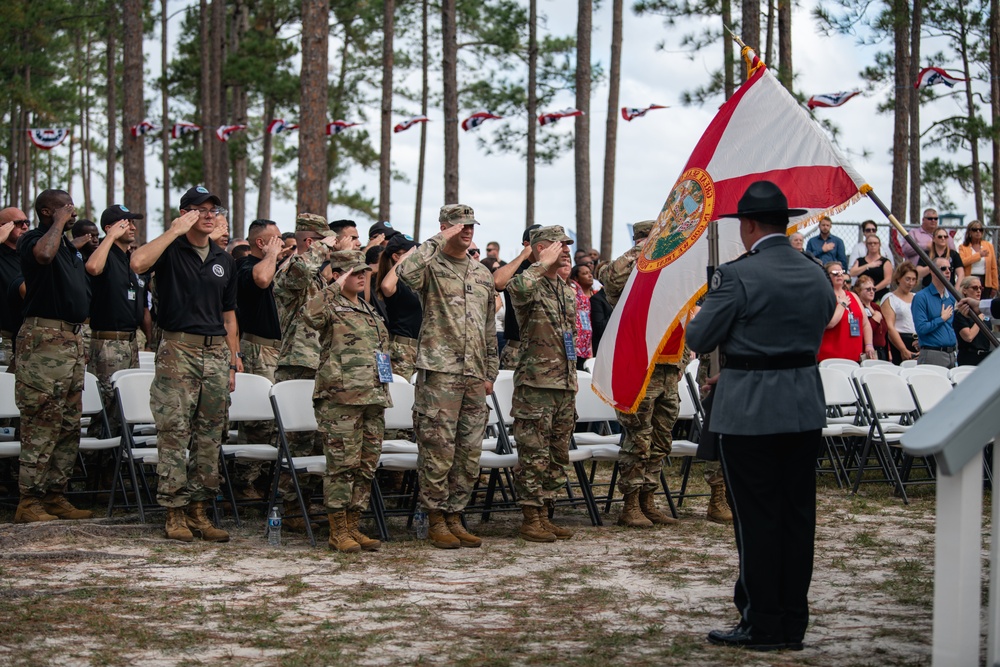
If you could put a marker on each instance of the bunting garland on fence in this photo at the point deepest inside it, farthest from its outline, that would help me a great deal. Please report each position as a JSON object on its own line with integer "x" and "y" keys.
{"x": 831, "y": 100}
{"x": 144, "y": 128}
{"x": 223, "y": 131}
{"x": 338, "y": 126}
{"x": 930, "y": 76}
{"x": 48, "y": 138}
{"x": 278, "y": 125}
{"x": 554, "y": 116}
{"x": 628, "y": 113}
{"x": 410, "y": 122}
{"x": 478, "y": 118}
{"x": 181, "y": 129}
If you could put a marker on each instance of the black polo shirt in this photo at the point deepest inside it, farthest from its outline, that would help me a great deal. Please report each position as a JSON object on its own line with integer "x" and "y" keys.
{"x": 117, "y": 295}
{"x": 59, "y": 290}
{"x": 256, "y": 310}
{"x": 404, "y": 312}
{"x": 191, "y": 294}
{"x": 510, "y": 329}
{"x": 10, "y": 270}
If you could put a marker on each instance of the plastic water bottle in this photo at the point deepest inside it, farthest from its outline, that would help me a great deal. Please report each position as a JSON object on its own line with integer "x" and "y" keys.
{"x": 420, "y": 524}
{"x": 274, "y": 527}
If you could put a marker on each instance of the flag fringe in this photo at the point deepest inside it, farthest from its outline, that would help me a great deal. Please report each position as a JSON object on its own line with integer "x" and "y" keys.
{"x": 833, "y": 210}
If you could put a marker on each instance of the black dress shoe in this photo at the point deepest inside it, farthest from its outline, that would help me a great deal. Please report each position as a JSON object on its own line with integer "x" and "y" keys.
{"x": 742, "y": 636}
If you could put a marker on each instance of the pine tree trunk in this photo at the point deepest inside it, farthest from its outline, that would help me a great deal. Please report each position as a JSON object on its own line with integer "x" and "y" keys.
{"x": 449, "y": 76}
{"x": 529, "y": 189}
{"x": 85, "y": 103}
{"x": 313, "y": 184}
{"x": 728, "y": 80}
{"x": 207, "y": 134}
{"x": 112, "y": 114}
{"x": 914, "y": 95}
{"x": 165, "y": 114}
{"x": 385, "y": 143}
{"x": 241, "y": 22}
{"x": 219, "y": 185}
{"x": 264, "y": 187}
{"x": 785, "y": 43}
{"x": 970, "y": 106}
{"x": 769, "y": 30}
{"x": 134, "y": 154}
{"x": 995, "y": 102}
{"x": 424, "y": 93}
{"x": 611, "y": 132}
{"x": 581, "y": 143}
{"x": 751, "y": 24}
{"x": 901, "y": 125}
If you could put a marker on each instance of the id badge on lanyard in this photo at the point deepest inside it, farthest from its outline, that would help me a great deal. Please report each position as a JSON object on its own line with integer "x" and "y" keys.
{"x": 854, "y": 324}
{"x": 569, "y": 345}
{"x": 384, "y": 365}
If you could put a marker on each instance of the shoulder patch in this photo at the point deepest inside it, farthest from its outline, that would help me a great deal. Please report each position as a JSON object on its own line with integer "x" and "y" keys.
{"x": 716, "y": 280}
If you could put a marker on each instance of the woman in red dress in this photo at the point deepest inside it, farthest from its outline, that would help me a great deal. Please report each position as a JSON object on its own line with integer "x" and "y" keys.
{"x": 848, "y": 335}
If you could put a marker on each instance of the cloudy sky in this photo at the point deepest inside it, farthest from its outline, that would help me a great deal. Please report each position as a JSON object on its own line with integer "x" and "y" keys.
{"x": 651, "y": 150}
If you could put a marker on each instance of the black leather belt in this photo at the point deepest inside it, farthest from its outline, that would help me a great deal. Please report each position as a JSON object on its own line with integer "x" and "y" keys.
{"x": 938, "y": 349}
{"x": 778, "y": 362}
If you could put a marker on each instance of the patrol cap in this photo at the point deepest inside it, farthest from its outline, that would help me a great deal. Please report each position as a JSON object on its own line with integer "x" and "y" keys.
{"x": 642, "y": 229}
{"x": 400, "y": 242}
{"x": 347, "y": 260}
{"x": 310, "y": 222}
{"x": 554, "y": 233}
{"x": 199, "y": 194}
{"x": 113, "y": 214}
{"x": 526, "y": 236}
{"x": 382, "y": 227}
{"x": 457, "y": 214}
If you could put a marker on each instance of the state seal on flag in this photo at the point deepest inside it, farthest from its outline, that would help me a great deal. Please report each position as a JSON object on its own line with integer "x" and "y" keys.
{"x": 684, "y": 218}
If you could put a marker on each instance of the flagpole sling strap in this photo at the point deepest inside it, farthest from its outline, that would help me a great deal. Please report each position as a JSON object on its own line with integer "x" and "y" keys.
{"x": 988, "y": 331}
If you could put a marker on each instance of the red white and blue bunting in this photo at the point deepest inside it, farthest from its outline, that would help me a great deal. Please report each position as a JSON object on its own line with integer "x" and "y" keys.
{"x": 48, "y": 138}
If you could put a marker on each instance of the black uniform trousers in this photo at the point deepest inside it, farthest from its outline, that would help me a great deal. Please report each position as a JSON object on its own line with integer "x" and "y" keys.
{"x": 771, "y": 480}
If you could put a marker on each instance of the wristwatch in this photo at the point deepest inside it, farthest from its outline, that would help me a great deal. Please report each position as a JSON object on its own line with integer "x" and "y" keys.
{"x": 234, "y": 367}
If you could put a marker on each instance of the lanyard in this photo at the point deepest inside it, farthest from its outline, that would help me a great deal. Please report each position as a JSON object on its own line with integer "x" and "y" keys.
{"x": 563, "y": 318}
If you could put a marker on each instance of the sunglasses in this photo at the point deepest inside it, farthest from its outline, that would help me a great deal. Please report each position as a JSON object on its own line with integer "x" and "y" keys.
{"x": 473, "y": 252}
{"x": 945, "y": 269}
{"x": 942, "y": 236}
{"x": 928, "y": 217}
{"x": 836, "y": 273}
{"x": 868, "y": 289}
{"x": 870, "y": 230}
{"x": 975, "y": 229}
{"x": 22, "y": 223}
{"x": 978, "y": 288}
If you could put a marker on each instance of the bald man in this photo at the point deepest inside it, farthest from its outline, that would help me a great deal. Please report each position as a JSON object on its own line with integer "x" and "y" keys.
{"x": 13, "y": 223}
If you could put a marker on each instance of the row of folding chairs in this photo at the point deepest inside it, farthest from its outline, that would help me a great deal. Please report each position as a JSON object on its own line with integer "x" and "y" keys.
{"x": 904, "y": 369}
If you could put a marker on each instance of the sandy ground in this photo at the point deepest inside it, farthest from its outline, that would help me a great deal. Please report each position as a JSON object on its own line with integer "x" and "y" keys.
{"x": 108, "y": 593}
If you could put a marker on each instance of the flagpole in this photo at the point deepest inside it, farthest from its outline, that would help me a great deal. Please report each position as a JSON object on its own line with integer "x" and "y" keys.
{"x": 927, "y": 260}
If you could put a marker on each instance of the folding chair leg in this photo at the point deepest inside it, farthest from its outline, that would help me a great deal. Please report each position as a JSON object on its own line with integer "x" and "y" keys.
{"x": 490, "y": 490}
{"x": 230, "y": 491}
{"x": 588, "y": 494}
{"x": 115, "y": 480}
{"x": 862, "y": 461}
{"x": 685, "y": 476}
{"x": 377, "y": 505}
{"x": 666, "y": 492}
{"x": 611, "y": 488}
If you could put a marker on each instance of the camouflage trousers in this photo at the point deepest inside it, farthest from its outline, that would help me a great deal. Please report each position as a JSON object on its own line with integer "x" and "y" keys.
{"x": 6, "y": 350}
{"x": 544, "y": 420}
{"x": 189, "y": 398}
{"x": 713, "y": 469}
{"x": 449, "y": 419}
{"x": 257, "y": 360}
{"x": 403, "y": 354}
{"x": 49, "y": 393}
{"x": 106, "y": 357}
{"x": 352, "y": 443}
{"x": 299, "y": 443}
{"x": 510, "y": 356}
{"x": 648, "y": 435}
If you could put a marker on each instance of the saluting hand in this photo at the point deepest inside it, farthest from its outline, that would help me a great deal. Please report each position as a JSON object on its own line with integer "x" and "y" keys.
{"x": 342, "y": 280}
{"x": 550, "y": 255}
{"x": 184, "y": 223}
{"x": 63, "y": 215}
{"x": 274, "y": 246}
{"x": 451, "y": 232}
{"x": 221, "y": 228}
{"x": 115, "y": 231}
{"x": 5, "y": 229}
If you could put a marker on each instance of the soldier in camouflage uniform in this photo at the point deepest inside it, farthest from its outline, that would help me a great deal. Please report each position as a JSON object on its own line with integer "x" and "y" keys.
{"x": 544, "y": 402}
{"x": 350, "y": 396}
{"x": 501, "y": 277}
{"x": 49, "y": 385}
{"x": 189, "y": 396}
{"x": 456, "y": 367}
{"x": 648, "y": 437}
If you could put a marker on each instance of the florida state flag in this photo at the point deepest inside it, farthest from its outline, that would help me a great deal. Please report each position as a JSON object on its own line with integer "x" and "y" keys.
{"x": 761, "y": 132}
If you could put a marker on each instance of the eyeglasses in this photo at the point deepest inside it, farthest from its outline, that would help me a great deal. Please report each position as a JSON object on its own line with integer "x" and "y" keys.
{"x": 975, "y": 229}
{"x": 870, "y": 288}
{"x": 22, "y": 223}
{"x": 977, "y": 288}
{"x": 836, "y": 273}
{"x": 930, "y": 217}
{"x": 945, "y": 269}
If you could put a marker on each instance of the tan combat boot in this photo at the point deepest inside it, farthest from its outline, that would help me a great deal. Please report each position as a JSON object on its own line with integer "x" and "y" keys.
{"x": 296, "y": 524}
{"x": 340, "y": 535}
{"x": 647, "y": 503}
{"x": 454, "y": 522}
{"x": 200, "y": 525}
{"x": 177, "y": 528}
{"x": 632, "y": 515}
{"x": 531, "y": 528}
{"x": 354, "y": 526}
{"x": 56, "y": 504}
{"x": 546, "y": 523}
{"x": 30, "y": 510}
{"x": 718, "y": 505}
{"x": 438, "y": 533}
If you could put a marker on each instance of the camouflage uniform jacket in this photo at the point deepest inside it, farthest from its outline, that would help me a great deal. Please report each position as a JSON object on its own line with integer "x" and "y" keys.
{"x": 615, "y": 275}
{"x": 296, "y": 283}
{"x": 350, "y": 335}
{"x": 458, "y": 334}
{"x": 546, "y": 309}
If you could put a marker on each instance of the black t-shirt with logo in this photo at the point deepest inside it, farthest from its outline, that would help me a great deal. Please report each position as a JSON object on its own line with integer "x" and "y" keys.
{"x": 58, "y": 290}
{"x": 119, "y": 295}
{"x": 10, "y": 271}
{"x": 256, "y": 311}
{"x": 191, "y": 294}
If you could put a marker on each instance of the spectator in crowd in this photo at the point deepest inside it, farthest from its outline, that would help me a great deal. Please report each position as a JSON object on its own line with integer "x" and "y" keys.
{"x": 940, "y": 248}
{"x": 973, "y": 345}
{"x": 457, "y": 364}
{"x": 260, "y": 337}
{"x": 240, "y": 251}
{"x": 474, "y": 252}
{"x": 861, "y": 247}
{"x": 600, "y": 311}
{"x": 49, "y": 385}
{"x": 979, "y": 258}
{"x": 896, "y": 307}
{"x": 220, "y": 232}
{"x": 544, "y": 401}
{"x": 117, "y": 308}
{"x": 13, "y": 223}
{"x": 933, "y": 308}
{"x": 196, "y": 286}
{"x": 580, "y": 255}
{"x": 493, "y": 250}
{"x": 491, "y": 263}
{"x": 581, "y": 279}
{"x": 288, "y": 240}
{"x": 864, "y": 287}
{"x": 402, "y": 305}
{"x": 350, "y": 397}
{"x": 798, "y": 241}
{"x": 236, "y": 243}
{"x": 923, "y": 236}
{"x": 595, "y": 255}
{"x": 874, "y": 265}
{"x": 826, "y": 247}
{"x": 500, "y": 316}
{"x": 85, "y": 237}
{"x": 848, "y": 334}
{"x": 502, "y": 276}
{"x": 378, "y": 234}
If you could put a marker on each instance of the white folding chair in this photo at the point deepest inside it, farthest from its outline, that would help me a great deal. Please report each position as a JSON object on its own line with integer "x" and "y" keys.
{"x": 925, "y": 369}
{"x": 590, "y": 409}
{"x": 8, "y": 410}
{"x": 251, "y": 401}
{"x": 908, "y": 363}
{"x": 875, "y": 362}
{"x": 928, "y": 389}
{"x": 959, "y": 373}
{"x": 147, "y": 360}
{"x": 588, "y": 365}
{"x": 132, "y": 396}
{"x": 834, "y": 362}
{"x": 93, "y": 408}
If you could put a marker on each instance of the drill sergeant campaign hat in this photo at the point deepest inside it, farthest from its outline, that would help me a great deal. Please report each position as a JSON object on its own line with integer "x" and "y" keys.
{"x": 457, "y": 214}
{"x": 554, "y": 233}
{"x": 310, "y": 222}
{"x": 348, "y": 260}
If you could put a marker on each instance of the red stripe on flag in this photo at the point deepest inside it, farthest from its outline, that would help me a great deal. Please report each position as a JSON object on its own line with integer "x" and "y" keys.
{"x": 631, "y": 362}
{"x": 805, "y": 187}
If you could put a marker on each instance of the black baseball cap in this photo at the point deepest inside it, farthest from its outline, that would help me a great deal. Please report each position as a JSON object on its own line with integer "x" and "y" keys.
{"x": 382, "y": 227}
{"x": 526, "y": 237}
{"x": 113, "y": 214}
{"x": 199, "y": 194}
{"x": 400, "y": 242}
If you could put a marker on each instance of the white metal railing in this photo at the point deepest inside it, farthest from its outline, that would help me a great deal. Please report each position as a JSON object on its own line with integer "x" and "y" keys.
{"x": 955, "y": 433}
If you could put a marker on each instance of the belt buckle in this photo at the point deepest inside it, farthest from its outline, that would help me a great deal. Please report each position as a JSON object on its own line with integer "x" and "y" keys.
{"x": 209, "y": 340}
{"x": 77, "y": 328}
